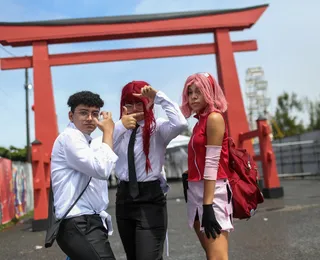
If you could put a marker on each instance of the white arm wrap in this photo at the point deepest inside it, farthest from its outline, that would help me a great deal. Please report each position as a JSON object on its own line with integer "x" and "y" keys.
{"x": 212, "y": 162}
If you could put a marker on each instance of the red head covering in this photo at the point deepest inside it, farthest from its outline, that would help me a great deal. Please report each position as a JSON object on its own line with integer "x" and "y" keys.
{"x": 149, "y": 120}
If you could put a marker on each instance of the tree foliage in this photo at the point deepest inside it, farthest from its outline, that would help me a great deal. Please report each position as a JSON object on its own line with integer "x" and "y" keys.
{"x": 313, "y": 109}
{"x": 286, "y": 116}
{"x": 14, "y": 153}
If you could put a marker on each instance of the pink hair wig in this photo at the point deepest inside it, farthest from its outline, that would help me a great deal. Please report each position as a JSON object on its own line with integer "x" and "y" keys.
{"x": 210, "y": 89}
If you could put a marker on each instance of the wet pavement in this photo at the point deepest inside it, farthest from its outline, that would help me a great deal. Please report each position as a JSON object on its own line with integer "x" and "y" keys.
{"x": 286, "y": 228}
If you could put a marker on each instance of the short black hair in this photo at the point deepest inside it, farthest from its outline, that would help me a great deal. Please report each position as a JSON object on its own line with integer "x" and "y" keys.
{"x": 86, "y": 98}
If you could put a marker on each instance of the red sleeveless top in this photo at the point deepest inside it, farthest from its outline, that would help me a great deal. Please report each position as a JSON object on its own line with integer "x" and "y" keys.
{"x": 197, "y": 151}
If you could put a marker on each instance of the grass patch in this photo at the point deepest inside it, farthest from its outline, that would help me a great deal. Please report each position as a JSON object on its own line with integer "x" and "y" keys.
{"x": 15, "y": 220}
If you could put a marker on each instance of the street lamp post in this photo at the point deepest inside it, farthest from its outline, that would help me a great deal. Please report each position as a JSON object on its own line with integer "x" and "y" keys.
{"x": 27, "y": 87}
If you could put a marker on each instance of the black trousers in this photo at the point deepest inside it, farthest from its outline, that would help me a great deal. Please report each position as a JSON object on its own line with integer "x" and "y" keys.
{"x": 142, "y": 222}
{"x": 84, "y": 238}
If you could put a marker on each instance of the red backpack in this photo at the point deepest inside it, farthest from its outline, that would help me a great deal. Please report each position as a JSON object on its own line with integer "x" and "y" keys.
{"x": 243, "y": 181}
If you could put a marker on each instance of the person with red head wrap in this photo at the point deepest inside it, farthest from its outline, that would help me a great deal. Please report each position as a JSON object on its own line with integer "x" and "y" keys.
{"x": 140, "y": 142}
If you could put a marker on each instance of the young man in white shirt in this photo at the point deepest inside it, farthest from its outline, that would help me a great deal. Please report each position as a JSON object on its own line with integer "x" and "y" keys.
{"x": 84, "y": 233}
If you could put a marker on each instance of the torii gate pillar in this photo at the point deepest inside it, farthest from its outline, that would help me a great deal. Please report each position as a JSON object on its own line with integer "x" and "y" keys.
{"x": 46, "y": 131}
{"x": 228, "y": 78}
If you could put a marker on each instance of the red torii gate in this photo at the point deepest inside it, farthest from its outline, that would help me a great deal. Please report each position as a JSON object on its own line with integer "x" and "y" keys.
{"x": 42, "y": 33}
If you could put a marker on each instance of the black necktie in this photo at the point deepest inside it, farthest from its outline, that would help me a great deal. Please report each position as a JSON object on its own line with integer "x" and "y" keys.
{"x": 133, "y": 184}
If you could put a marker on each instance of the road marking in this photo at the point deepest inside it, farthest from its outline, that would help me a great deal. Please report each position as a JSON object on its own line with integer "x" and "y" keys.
{"x": 298, "y": 207}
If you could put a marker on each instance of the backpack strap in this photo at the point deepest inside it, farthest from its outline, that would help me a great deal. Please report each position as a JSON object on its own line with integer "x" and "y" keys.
{"x": 75, "y": 202}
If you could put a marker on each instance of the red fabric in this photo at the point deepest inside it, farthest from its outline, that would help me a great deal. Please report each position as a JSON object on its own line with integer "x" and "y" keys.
{"x": 197, "y": 152}
{"x": 149, "y": 120}
{"x": 6, "y": 191}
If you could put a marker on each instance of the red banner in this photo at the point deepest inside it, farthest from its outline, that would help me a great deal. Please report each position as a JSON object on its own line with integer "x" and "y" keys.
{"x": 7, "y": 211}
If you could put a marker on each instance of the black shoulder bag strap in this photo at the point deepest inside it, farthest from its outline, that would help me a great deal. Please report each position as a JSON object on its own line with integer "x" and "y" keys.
{"x": 75, "y": 202}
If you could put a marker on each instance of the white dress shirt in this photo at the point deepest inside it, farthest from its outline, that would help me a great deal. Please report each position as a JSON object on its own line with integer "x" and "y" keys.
{"x": 165, "y": 131}
{"x": 73, "y": 162}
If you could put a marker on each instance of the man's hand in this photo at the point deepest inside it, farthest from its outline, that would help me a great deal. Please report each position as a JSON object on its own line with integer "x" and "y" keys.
{"x": 106, "y": 124}
{"x": 129, "y": 121}
{"x": 149, "y": 92}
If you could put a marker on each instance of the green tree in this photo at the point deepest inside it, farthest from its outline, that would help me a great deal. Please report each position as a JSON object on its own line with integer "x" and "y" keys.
{"x": 288, "y": 107}
{"x": 14, "y": 153}
{"x": 5, "y": 153}
{"x": 313, "y": 108}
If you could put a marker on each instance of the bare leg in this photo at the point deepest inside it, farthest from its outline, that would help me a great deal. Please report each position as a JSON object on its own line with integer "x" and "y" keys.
{"x": 196, "y": 227}
{"x": 216, "y": 249}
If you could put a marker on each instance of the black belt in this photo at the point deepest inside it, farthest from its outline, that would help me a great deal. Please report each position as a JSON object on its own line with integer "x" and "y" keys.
{"x": 141, "y": 185}
{"x": 149, "y": 191}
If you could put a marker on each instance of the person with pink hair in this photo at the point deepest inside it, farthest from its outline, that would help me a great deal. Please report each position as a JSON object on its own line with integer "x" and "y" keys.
{"x": 140, "y": 141}
{"x": 208, "y": 196}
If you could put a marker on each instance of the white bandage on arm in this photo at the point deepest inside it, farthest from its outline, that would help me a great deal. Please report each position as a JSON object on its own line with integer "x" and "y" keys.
{"x": 212, "y": 162}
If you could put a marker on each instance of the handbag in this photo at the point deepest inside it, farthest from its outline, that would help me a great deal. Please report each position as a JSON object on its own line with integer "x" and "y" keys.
{"x": 53, "y": 222}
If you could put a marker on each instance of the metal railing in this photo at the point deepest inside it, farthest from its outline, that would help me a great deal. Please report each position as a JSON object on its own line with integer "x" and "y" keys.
{"x": 296, "y": 158}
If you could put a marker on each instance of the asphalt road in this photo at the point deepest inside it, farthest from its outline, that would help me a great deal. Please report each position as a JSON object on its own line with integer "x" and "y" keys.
{"x": 287, "y": 228}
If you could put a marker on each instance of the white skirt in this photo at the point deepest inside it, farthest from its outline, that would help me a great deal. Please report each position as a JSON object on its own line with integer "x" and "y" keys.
{"x": 222, "y": 205}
